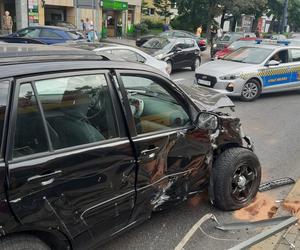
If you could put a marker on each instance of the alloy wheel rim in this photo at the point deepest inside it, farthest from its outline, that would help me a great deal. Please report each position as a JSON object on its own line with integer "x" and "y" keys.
{"x": 197, "y": 63}
{"x": 169, "y": 67}
{"x": 242, "y": 182}
{"x": 250, "y": 90}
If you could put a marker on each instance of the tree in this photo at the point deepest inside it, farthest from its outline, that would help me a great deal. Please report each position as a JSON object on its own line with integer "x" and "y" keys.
{"x": 163, "y": 8}
{"x": 144, "y": 7}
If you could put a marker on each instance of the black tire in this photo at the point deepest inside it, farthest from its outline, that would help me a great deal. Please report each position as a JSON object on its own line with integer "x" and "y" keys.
{"x": 170, "y": 67}
{"x": 227, "y": 170}
{"x": 22, "y": 242}
{"x": 196, "y": 61}
{"x": 255, "y": 86}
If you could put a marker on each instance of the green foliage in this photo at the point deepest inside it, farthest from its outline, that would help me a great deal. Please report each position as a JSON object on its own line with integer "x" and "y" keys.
{"x": 141, "y": 29}
{"x": 153, "y": 24}
{"x": 163, "y": 8}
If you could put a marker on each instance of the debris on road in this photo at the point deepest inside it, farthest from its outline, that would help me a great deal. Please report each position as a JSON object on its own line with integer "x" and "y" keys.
{"x": 250, "y": 225}
{"x": 275, "y": 184}
{"x": 266, "y": 234}
{"x": 262, "y": 208}
{"x": 192, "y": 231}
{"x": 293, "y": 207}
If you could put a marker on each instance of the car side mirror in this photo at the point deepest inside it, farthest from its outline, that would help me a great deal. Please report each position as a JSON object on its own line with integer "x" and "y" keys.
{"x": 273, "y": 63}
{"x": 207, "y": 121}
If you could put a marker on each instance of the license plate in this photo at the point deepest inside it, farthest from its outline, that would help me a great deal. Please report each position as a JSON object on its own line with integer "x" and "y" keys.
{"x": 204, "y": 82}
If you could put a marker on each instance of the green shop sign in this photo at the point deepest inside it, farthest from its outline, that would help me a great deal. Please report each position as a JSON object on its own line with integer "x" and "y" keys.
{"x": 114, "y": 5}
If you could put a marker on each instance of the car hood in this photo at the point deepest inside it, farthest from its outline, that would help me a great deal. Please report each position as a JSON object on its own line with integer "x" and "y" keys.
{"x": 207, "y": 99}
{"x": 222, "y": 67}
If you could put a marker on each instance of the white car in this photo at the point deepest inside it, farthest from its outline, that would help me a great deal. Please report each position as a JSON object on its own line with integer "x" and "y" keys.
{"x": 250, "y": 71}
{"x": 132, "y": 54}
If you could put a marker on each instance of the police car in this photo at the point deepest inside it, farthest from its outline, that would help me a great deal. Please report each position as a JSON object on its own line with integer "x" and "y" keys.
{"x": 252, "y": 70}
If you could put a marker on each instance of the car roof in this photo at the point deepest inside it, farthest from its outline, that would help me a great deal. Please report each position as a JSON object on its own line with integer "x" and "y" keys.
{"x": 24, "y": 60}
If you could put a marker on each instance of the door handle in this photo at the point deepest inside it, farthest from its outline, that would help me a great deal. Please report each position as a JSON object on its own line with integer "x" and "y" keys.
{"x": 149, "y": 153}
{"x": 36, "y": 177}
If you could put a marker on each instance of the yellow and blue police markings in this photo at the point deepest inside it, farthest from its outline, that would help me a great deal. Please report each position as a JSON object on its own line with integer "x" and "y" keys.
{"x": 272, "y": 77}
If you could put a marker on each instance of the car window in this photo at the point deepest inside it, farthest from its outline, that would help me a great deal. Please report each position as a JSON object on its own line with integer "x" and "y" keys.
{"x": 181, "y": 45}
{"x": 78, "y": 110}
{"x": 250, "y": 55}
{"x": 295, "y": 53}
{"x": 30, "y": 136}
{"x": 281, "y": 56}
{"x": 127, "y": 55}
{"x": 3, "y": 105}
{"x": 29, "y": 33}
{"x": 189, "y": 43}
{"x": 153, "y": 107}
{"x": 46, "y": 33}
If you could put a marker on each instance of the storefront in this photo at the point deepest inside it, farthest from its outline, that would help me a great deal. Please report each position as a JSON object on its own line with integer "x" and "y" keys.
{"x": 17, "y": 10}
{"x": 114, "y": 17}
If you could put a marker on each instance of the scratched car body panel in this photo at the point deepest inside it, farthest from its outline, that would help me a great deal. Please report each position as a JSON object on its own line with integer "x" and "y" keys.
{"x": 90, "y": 148}
{"x": 273, "y": 68}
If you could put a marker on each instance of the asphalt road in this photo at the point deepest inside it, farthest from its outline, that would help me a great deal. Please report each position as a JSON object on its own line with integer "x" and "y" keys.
{"x": 273, "y": 123}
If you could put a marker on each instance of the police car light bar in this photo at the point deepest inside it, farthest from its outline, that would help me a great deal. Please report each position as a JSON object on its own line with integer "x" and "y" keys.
{"x": 286, "y": 43}
{"x": 272, "y": 42}
{"x": 258, "y": 41}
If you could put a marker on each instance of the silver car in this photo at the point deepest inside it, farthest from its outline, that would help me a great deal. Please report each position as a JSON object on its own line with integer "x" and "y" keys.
{"x": 135, "y": 55}
{"x": 250, "y": 71}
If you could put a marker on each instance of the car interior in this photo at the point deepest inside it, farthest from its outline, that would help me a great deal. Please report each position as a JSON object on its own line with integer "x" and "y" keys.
{"x": 76, "y": 113}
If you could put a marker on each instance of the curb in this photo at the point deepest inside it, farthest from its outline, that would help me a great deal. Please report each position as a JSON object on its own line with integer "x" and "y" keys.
{"x": 273, "y": 242}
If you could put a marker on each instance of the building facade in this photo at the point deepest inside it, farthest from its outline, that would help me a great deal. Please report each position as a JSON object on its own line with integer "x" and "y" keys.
{"x": 106, "y": 14}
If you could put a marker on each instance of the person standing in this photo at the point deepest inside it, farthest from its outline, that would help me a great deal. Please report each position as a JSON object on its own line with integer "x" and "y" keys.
{"x": 7, "y": 24}
{"x": 199, "y": 31}
{"x": 213, "y": 33}
{"x": 119, "y": 29}
{"x": 83, "y": 27}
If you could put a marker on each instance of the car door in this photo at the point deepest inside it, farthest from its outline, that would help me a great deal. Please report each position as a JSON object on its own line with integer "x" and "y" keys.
{"x": 295, "y": 64}
{"x": 50, "y": 36}
{"x": 172, "y": 152}
{"x": 192, "y": 51}
{"x": 71, "y": 165}
{"x": 277, "y": 77}
{"x": 179, "y": 56}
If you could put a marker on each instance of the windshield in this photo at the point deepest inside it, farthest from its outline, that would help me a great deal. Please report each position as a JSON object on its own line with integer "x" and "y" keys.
{"x": 158, "y": 43}
{"x": 249, "y": 55}
{"x": 239, "y": 44}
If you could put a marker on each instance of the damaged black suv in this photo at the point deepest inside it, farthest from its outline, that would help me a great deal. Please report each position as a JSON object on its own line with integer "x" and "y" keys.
{"x": 91, "y": 147}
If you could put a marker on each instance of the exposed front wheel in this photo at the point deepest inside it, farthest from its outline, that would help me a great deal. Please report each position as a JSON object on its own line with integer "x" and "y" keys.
{"x": 196, "y": 63}
{"x": 236, "y": 178}
{"x": 169, "y": 67}
{"x": 251, "y": 90}
{"x": 22, "y": 242}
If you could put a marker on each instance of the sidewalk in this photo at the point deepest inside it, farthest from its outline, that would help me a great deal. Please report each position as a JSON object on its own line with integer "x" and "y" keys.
{"x": 291, "y": 236}
{"x": 123, "y": 41}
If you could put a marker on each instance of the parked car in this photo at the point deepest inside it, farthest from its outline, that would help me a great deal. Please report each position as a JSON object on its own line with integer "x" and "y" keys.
{"x": 48, "y": 34}
{"x": 242, "y": 42}
{"x": 8, "y": 39}
{"x": 63, "y": 24}
{"x": 131, "y": 54}
{"x": 174, "y": 34}
{"x": 250, "y": 71}
{"x": 91, "y": 148}
{"x": 227, "y": 39}
{"x": 176, "y": 52}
